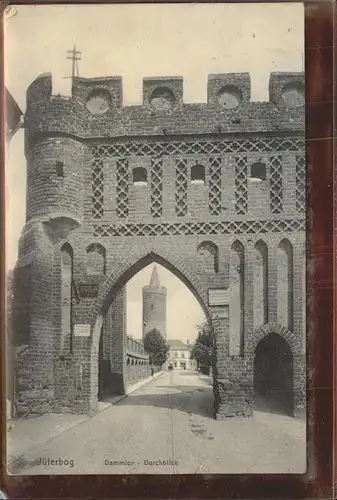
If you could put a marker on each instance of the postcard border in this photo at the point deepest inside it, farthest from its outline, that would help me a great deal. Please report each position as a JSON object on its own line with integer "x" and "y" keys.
{"x": 320, "y": 51}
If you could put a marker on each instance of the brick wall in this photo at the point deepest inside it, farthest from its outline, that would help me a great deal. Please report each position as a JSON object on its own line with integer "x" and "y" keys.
{"x": 229, "y": 230}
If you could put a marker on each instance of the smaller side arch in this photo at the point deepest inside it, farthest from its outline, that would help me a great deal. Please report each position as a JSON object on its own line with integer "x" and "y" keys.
{"x": 96, "y": 259}
{"x": 67, "y": 254}
{"x": 257, "y": 335}
{"x": 287, "y": 369}
{"x": 209, "y": 254}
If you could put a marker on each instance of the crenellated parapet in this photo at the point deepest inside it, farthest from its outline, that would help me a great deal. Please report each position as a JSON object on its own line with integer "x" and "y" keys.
{"x": 96, "y": 109}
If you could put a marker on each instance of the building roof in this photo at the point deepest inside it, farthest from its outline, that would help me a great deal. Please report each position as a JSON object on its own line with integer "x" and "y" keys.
{"x": 177, "y": 344}
{"x": 154, "y": 281}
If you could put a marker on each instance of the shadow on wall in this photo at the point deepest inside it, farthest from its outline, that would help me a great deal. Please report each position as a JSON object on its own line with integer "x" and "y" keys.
{"x": 273, "y": 376}
{"x": 188, "y": 399}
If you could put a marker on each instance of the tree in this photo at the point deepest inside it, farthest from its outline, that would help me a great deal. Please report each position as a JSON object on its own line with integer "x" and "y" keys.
{"x": 203, "y": 350}
{"x": 156, "y": 347}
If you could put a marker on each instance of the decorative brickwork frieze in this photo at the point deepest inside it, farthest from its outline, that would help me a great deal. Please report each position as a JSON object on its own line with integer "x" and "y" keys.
{"x": 276, "y": 184}
{"x": 97, "y": 188}
{"x": 241, "y": 188}
{"x": 214, "y": 193}
{"x": 181, "y": 187}
{"x": 198, "y": 146}
{"x": 300, "y": 184}
{"x": 186, "y": 228}
{"x": 156, "y": 187}
{"x": 122, "y": 188}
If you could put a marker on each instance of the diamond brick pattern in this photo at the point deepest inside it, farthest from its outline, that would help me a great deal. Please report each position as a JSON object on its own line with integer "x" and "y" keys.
{"x": 214, "y": 193}
{"x": 198, "y": 146}
{"x": 241, "y": 188}
{"x": 97, "y": 184}
{"x": 276, "y": 185}
{"x": 122, "y": 188}
{"x": 181, "y": 187}
{"x": 156, "y": 187}
{"x": 300, "y": 184}
{"x": 201, "y": 228}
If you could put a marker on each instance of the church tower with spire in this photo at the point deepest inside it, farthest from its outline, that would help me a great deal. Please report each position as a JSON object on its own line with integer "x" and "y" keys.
{"x": 154, "y": 305}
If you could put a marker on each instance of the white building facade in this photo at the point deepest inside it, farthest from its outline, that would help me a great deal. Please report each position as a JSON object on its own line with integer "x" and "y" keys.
{"x": 179, "y": 355}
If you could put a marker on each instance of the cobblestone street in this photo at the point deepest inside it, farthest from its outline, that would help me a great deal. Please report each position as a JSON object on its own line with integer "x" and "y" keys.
{"x": 167, "y": 427}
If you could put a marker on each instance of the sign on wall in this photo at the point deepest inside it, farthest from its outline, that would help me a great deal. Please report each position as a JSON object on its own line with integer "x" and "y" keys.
{"x": 88, "y": 290}
{"x": 218, "y": 296}
{"x": 82, "y": 330}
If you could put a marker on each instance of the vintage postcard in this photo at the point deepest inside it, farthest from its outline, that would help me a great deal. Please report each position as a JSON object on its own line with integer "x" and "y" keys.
{"x": 156, "y": 239}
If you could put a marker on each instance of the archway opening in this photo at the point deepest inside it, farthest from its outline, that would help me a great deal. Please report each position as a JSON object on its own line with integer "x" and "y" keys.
{"x": 273, "y": 376}
{"x": 146, "y": 297}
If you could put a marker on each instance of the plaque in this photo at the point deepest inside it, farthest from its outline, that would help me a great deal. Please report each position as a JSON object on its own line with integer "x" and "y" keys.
{"x": 82, "y": 330}
{"x": 88, "y": 290}
{"x": 218, "y": 296}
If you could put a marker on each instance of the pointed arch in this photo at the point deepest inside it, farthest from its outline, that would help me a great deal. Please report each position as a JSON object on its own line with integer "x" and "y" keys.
{"x": 260, "y": 284}
{"x": 209, "y": 255}
{"x": 67, "y": 254}
{"x": 127, "y": 268}
{"x": 274, "y": 375}
{"x": 295, "y": 344}
{"x": 285, "y": 283}
{"x": 124, "y": 269}
{"x": 257, "y": 335}
{"x": 236, "y": 325}
{"x": 67, "y": 264}
{"x": 96, "y": 259}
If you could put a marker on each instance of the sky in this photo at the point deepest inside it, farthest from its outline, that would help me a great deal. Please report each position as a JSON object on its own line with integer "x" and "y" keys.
{"x": 183, "y": 313}
{"x": 136, "y": 41}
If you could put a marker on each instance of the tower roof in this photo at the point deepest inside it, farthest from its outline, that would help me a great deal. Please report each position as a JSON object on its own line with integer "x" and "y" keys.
{"x": 154, "y": 281}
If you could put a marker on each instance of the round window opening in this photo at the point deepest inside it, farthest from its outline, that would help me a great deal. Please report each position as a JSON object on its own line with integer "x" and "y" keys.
{"x": 229, "y": 97}
{"x": 162, "y": 99}
{"x": 293, "y": 95}
{"x": 98, "y": 102}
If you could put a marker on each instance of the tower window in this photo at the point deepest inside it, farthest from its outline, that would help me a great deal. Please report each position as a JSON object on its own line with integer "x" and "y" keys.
{"x": 139, "y": 175}
{"x": 59, "y": 169}
{"x": 258, "y": 172}
{"x": 198, "y": 174}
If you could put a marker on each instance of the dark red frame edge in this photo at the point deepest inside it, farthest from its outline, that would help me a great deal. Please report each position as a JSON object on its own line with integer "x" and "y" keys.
{"x": 320, "y": 50}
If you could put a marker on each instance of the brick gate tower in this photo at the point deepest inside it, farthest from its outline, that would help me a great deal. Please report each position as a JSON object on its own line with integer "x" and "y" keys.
{"x": 154, "y": 305}
{"x": 214, "y": 192}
